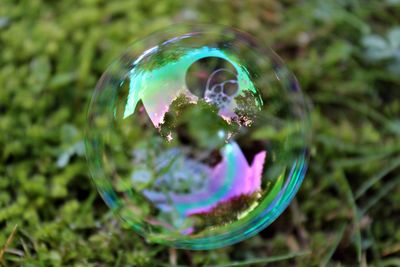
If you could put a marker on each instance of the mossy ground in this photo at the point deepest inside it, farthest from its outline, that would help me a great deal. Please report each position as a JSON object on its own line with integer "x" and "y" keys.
{"x": 346, "y": 55}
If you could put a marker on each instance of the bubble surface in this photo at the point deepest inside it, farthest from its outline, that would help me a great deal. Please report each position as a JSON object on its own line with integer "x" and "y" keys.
{"x": 197, "y": 136}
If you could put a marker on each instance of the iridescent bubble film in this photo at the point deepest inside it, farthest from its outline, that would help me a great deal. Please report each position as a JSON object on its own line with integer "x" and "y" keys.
{"x": 197, "y": 136}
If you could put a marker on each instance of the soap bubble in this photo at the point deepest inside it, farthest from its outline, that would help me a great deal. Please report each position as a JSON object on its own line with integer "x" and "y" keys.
{"x": 197, "y": 136}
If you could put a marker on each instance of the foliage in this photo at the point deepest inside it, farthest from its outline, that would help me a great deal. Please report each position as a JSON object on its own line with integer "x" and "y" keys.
{"x": 346, "y": 56}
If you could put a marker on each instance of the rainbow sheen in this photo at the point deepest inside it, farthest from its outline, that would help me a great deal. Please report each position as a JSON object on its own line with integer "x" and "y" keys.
{"x": 197, "y": 136}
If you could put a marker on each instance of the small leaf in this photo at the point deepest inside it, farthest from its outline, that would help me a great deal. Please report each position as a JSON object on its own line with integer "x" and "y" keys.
{"x": 394, "y": 68}
{"x": 393, "y": 2}
{"x": 374, "y": 42}
{"x": 394, "y": 37}
{"x": 77, "y": 149}
{"x": 63, "y": 159}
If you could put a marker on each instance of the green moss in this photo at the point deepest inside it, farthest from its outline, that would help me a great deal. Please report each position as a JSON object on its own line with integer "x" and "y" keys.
{"x": 53, "y": 52}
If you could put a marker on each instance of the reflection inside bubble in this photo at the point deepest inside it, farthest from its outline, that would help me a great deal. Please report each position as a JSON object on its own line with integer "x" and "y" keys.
{"x": 202, "y": 84}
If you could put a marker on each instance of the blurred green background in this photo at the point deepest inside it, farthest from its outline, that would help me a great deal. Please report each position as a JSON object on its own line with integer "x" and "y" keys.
{"x": 346, "y": 55}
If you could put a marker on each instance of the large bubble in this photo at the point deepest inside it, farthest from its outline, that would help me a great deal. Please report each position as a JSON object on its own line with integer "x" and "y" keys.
{"x": 197, "y": 136}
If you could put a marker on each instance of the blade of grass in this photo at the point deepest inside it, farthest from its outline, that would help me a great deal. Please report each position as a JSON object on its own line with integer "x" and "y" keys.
{"x": 265, "y": 260}
{"x": 390, "y": 126}
{"x": 33, "y": 242}
{"x": 328, "y": 256}
{"x": 389, "y": 263}
{"x": 8, "y": 242}
{"x": 374, "y": 248}
{"x": 352, "y": 162}
{"x": 119, "y": 259}
{"x": 346, "y": 190}
{"x": 88, "y": 204}
{"x": 338, "y": 144}
{"x": 395, "y": 249}
{"x": 25, "y": 247}
{"x": 256, "y": 261}
{"x": 385, "y": 189}
{"x": 357, "y": 106}
{"x": 376, "y": 178}
{"x": 173, "y": 256}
